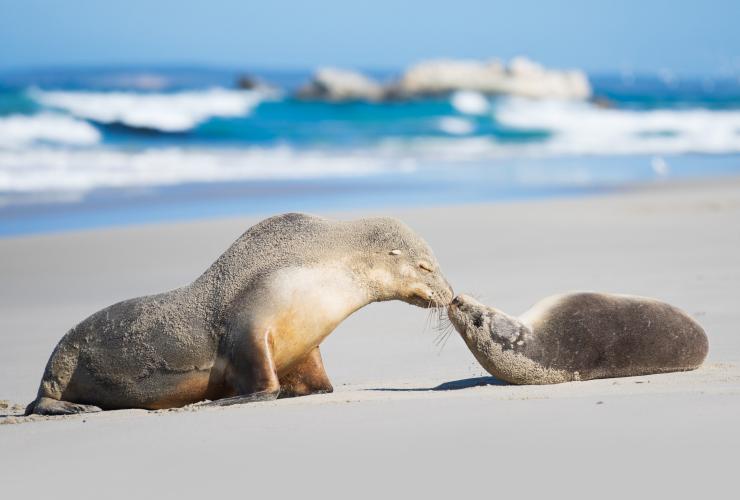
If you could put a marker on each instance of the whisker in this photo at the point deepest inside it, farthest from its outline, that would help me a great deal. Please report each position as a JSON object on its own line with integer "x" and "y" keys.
{"x": 443, "y": 326}
{"x": 428, "y": 319}
{"x": 438, "y": 320}
{"x": 444, "y": 330}
{"x": 443, "y": 338}
{"x": 444, "y": 343}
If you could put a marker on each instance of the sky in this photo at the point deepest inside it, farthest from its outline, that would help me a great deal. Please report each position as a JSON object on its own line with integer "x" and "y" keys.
{"x": 648, "y": 36}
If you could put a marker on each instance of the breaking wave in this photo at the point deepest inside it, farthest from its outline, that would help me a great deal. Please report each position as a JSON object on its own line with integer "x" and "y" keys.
{"x": 25, "y": 130}
{"x": 453, "y": 125}
{"x": 165, "y": 112}
{"x": 469, "y": 102}
{"x": 41, "y": 170}
{"x": 585, "y": 128}
{"x": 63, "y": 147}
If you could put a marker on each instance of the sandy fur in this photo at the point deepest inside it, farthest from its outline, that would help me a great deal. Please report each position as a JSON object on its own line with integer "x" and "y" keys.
{"x": 537, "y": 347}
{"x": 291, "y": 278}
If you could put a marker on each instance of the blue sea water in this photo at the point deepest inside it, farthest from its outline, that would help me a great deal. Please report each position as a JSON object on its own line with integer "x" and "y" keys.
{"x": 96, "y": 147}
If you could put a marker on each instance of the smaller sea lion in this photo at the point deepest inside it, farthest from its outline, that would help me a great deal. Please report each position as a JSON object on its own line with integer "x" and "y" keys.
{"x": 580, "y": 336}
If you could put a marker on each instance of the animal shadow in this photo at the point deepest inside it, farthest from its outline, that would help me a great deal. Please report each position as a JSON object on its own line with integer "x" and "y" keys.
{"x": 452, "y": 385}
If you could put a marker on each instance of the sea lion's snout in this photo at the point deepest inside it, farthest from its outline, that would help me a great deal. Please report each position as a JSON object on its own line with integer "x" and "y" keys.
{"x": 435, "y": 294}
{"x": 432, "y": 289}
{"x": 464, "y": 302}
{"x": 465, "y": 312}
{"x": 445, "y": 294}
{"x": 441, "y": 291}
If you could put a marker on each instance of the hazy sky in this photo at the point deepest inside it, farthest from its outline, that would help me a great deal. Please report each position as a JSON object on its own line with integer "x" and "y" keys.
{"x": 687, "y": 37}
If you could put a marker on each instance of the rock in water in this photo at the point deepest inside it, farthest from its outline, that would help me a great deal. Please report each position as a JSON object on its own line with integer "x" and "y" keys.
{"x": 332, "y": 84}
{"x": 247, "y": 82}
{"x": 521, "y": 78}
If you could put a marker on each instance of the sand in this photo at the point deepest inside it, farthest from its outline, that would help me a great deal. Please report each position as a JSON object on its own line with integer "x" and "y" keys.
{"x": 408, "y": 418}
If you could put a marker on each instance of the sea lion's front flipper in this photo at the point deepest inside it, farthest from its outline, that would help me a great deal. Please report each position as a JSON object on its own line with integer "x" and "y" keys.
{"x": 252, "y": 371}
{"x": 307, "y": 377}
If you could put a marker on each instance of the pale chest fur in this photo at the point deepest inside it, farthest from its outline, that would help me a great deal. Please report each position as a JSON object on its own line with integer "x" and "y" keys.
{"x": 303, "y": 306}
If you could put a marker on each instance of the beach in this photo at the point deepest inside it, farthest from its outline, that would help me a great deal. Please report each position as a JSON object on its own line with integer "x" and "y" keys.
{"x": 408, "y": 418}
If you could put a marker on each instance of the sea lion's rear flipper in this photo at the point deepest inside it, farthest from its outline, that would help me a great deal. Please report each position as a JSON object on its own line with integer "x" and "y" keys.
{"x": 248, "y": 398}
{"x": 49, "y": 406}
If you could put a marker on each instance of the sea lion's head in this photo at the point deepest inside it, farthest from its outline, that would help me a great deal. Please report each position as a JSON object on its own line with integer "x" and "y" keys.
{"x": 468, "y": 316}
{"x": 474, "y": 320}
{"x": 399, "y": 265}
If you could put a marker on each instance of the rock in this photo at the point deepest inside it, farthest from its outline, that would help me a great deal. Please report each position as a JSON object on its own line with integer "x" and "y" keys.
{"x": 246, "y": 82}
{"x": 521, "y": 78}
{"x": 332, "y": 84}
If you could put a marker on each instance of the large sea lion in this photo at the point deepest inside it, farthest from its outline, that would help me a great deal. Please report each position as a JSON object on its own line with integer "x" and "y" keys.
{"x": 249, "y": 328}
{"x": 580, "y": 336}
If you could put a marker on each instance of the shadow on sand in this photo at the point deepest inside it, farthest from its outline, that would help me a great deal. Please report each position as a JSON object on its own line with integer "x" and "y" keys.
{"x": 453, "y": 385}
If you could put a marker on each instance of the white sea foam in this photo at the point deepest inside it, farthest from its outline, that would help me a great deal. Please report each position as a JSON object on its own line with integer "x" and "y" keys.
{"x": 470, "y": 103}
{"x": 167, "y": 112}
{"x": 455, "y": 126}
{"x": 584, "y": 128}
{"x": 445, "y": 149}
{"x": 24, "y": 130}
{"x": 29, "y": 164}
{"x": 579, "y": 128}
{"x": 49, "y": 169}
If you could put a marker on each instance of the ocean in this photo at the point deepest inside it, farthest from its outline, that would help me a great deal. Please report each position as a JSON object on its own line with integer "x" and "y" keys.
{"x": 98, "y": 147}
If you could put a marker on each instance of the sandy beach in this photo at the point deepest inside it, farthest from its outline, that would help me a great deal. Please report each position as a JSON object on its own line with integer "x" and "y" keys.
{"x": 408, "y": 418}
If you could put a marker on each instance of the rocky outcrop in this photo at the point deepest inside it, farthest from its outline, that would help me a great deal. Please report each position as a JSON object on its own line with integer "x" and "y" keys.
{"x": 521, "y": 77}
{"x": 332, "y": 84}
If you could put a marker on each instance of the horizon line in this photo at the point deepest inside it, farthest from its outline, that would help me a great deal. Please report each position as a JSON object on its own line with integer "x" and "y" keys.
{"x": 282, "y": 68}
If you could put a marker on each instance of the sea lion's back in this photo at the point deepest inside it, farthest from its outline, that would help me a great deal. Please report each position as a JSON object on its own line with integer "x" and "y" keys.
{"x": 600, "y": 334}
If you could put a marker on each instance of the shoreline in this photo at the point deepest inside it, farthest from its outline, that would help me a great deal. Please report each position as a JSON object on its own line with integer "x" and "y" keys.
{"x": 426, "y": 185}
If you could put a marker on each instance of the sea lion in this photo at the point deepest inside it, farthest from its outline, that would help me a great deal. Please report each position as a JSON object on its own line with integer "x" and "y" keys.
{"x": 247, "y": 329}
{"x": 580, "y": 336}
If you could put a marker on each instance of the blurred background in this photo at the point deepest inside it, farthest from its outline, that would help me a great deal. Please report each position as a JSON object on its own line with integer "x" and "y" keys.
{"x": 130, "y": 112}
